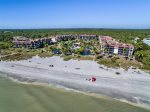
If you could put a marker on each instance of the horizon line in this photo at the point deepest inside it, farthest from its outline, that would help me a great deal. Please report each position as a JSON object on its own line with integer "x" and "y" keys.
{"x": 74, "y": 28}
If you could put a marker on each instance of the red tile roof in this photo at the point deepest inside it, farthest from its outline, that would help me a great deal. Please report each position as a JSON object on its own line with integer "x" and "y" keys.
{"x": 109, "y": 41}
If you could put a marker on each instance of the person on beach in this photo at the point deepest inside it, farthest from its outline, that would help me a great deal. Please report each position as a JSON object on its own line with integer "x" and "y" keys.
{"x": 93, "y": 79}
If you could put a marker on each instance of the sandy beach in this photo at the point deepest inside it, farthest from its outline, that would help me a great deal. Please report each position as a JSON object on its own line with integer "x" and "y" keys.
{"x": 132, "y": 85}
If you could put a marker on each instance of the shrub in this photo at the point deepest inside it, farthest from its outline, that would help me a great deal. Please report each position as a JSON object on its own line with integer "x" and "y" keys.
{"x": 4, "y": 45}
{"x": 109, "y": 62}
{"x": 67, "y": 58}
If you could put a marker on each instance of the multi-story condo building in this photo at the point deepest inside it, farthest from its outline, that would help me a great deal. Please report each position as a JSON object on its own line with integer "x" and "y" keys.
{"x": 108, "y": 45}
{"x": 64, "y": 37}
{"x": 146, "y": 41}
{"x": 20, "y": 41}
{"x": 80, "y": 36}
{"x": 86, "y": 37}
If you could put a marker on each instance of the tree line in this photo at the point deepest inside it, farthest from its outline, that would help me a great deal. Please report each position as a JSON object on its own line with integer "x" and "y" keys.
{"x": 141, "y": 53}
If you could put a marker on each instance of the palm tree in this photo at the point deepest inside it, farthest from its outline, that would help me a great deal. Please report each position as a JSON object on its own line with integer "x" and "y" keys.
{"x": 95, "y": 51}
{"x": 51, "y": 48}
{"x": 69, "y": 44}
{"x": 106, "y": 49}
{"x": 65, "y": 47}
{"x": 139, "y": 46}
{"x": 139, "y": 55}
{"x": 62, "y": 47}
{"x": 124, "y": 51}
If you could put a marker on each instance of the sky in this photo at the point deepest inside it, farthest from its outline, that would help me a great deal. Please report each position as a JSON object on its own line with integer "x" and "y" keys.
{"x": 27, "y": 14}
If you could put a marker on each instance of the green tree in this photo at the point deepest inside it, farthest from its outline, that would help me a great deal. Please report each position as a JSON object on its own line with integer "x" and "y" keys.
{"x": 5, "y": 45}
{"x": 125, "y": 51}
{"x": 139, "y": 55}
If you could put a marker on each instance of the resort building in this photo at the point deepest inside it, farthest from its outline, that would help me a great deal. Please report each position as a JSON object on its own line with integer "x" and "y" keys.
{"x": 110, "y": 46}
{"x": 64, "y": 37}
{"x": 71, "y": 37}
{"x": 146, "y": 41}
{"x": 53, "y": 40}
{"x": 20, "y": 41}
{"x": 86, "y": 37}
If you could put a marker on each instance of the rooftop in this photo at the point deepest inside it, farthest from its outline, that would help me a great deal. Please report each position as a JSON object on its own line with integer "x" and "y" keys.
{"x": 107, "y": 40}
{"x": 147, "y": 41}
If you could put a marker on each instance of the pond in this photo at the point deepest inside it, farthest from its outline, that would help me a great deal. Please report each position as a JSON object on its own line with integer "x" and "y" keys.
{"x": 86, "y": 52}
{"x": 56, "y": 51}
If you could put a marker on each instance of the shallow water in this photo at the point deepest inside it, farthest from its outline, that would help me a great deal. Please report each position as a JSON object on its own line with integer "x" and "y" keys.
{"x": 18, "y": 97}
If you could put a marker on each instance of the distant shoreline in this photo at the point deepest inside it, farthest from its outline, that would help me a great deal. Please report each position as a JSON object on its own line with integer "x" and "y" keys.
{"x": 74, "y": 28}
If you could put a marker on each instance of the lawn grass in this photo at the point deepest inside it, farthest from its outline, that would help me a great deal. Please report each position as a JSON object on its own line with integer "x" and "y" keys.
{"x": 15, "y": 97}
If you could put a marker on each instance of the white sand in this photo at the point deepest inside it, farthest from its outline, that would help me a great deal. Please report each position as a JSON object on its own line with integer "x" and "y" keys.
{"x": 132, "y": 85}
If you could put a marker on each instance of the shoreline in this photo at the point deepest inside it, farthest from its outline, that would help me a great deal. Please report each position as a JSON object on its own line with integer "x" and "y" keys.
{"x": 132, "y": 87}
{"x": 64, "y": 89}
